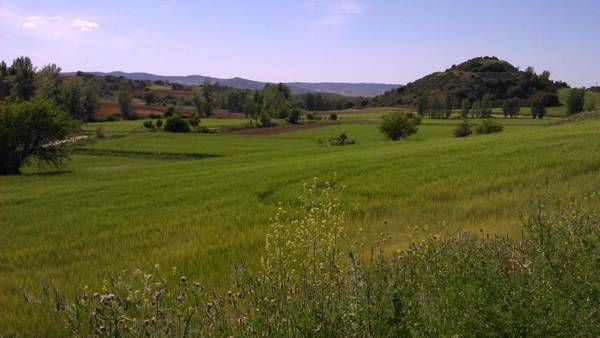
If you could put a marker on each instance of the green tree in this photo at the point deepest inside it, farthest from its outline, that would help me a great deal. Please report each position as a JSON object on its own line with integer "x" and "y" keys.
{"x": 423, "y": 106}
{"x": 538, "y": 108}
{"x": 294, "y": 115}
{"x": 277, "y": 101}
{"x": 47, "y": 83}
{"x": 486, "y": 106}
{"x": 449, "y": 101}
{"x": 209, "y": 95}
{"x": 465, "y": 106}
{"x": 575, "y": 101}
{"x": 125, "y": 100}
{"x": 399, "y": 125}
{"x": 150, "y": 98}
{"x": 91, "y": 96}
{"x": 510, "y": 107}
{"x": 71, "y": 97}
{"x": 22, "y": 73}
{"x": 4, "y": 81}
{"x": 33, "y": 130}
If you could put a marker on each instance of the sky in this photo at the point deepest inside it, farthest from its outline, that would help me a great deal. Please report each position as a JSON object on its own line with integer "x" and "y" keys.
{"x": 387, "y": 41}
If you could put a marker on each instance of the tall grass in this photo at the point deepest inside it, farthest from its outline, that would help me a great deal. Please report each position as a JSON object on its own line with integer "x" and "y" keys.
{"x": 314, "y": 281}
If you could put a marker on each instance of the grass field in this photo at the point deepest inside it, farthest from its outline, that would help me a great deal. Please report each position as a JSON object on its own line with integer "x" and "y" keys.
{"x": 125, "y": 202}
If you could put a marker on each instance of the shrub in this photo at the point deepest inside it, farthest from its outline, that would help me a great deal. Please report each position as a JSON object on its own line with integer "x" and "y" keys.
{"x": 177, "y": 124}
{"x": 311, "y": 116}
{"x": 159, "y": 123}
{"x": 314, "y": 282}
{"x": 194, "y": 120}
{"x": 489, "y": 126}
{"x": 265, "y": 120}
{"x": 463, "y": 129}
{"x": 294, "y": 116}
{"x": 399, "y": 125}
{"x": 337, "y": 140}
{"x": 333, "y": 116}
{"x": 148, "y": 124}
{"x": 33, "y": 130}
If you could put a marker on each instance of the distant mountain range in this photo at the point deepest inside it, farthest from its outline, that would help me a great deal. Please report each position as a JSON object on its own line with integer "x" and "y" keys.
{"x": 347, "y": 89}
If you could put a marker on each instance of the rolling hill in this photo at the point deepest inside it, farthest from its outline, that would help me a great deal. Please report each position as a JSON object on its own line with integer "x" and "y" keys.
{"x": 347, "y": 89}
{"x": 473, "y": 79}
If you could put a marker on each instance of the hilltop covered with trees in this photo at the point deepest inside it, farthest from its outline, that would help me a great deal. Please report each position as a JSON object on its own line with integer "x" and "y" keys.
{"x": 474, "y": 79}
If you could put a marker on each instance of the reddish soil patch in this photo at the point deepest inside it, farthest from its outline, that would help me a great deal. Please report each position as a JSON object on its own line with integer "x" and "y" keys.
{"x": 109, "y": 107}
{"x": 286, "y": 128}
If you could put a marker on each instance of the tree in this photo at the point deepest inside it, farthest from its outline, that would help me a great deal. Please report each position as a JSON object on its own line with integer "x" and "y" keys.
{"x": 277, "y": 101}
{"x": 476, "y": 109}
{"x": 71, "y": 97}
{"x": 511, "y": 107}
{"x": 22, "y": 73}
{"x": 486, "y": 106}
{"x": 125, "y": 100}
{"x": 33, "y": 129}
{"x": 4, "y": 82}
{"x": 177, "y": 124}
{"x": 209, "y": 95}
{"x": 538, "y": 108}
{"x": 575, "y": 101}
{"x": 449, "y": 101}
{"x": 91, "y": 95}
{"x": 150, "y": 98}
{"x": 423, "y": 107}
{"x": 294, "y": 115}
{"x": 47, "y": 83}
{"x": 463, "y": 129}
{"x": 465, "y": 106}
{"x": 399, "y": 125}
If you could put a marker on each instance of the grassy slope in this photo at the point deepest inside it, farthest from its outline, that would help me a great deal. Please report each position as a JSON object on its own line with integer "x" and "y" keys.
{"x": 107, "y": 213}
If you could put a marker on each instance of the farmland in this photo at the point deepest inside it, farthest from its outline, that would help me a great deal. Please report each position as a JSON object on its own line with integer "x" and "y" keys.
{"x": 126, "y": 201}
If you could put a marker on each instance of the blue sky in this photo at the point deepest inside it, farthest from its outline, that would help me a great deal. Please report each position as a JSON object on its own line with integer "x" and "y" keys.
{"x": 306, "y": 40}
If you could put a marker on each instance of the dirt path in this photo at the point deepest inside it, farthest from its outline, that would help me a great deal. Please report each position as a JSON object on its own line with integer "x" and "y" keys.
{"x": 286, "y": 128}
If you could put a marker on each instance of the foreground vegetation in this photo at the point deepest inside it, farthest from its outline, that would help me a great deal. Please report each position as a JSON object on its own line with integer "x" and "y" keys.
{"x": 314, "y": 281}
{"x": 127, "y": 202}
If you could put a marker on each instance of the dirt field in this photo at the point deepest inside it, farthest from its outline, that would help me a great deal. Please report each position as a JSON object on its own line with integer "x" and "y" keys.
{"x": 279, "y": 129}
{"x": 110, "y": 107}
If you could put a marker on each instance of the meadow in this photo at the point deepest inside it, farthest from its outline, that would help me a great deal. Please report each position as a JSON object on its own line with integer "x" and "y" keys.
{"x": 126, "y": 201}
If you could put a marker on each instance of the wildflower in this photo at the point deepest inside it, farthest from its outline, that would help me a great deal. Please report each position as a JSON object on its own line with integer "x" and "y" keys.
{"x": 183, "y": 279}
{"x": 106, "y": 298}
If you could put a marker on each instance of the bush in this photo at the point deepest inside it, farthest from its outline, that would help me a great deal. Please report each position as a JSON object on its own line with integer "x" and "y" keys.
{"x": 33, "y": 130}
{"x": 294, "y": 116}
{"x": 338, "y": 140}
{"x": 265, "y": 120}
{"x": 177, "y": 124}
{"x": 489, "y": 126}
{"x": 463, "y": 129}
{"x": 159, "y": 123}
{"x": 333, "y": 116}
{"x": 148, "y": 124}
{"x": 399, "y": 125}
{"x": 312, "y": 116}
{"x": 314, "y": 281}
{"x": 194, "y": 120}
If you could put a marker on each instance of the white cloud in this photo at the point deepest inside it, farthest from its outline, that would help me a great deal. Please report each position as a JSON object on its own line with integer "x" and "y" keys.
{"x": 333, "y": 13}
{"x": 84, "y": 26}
{"x": 35, "y": 22}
